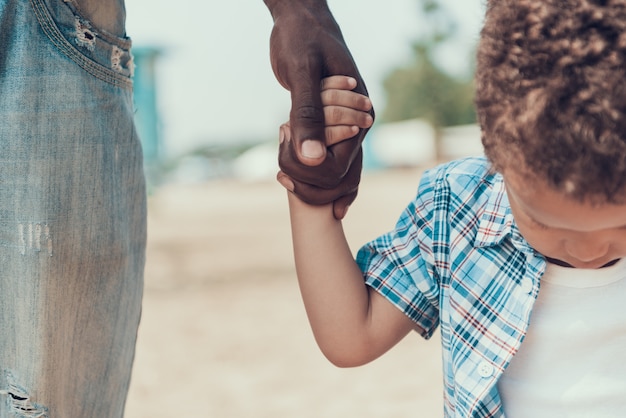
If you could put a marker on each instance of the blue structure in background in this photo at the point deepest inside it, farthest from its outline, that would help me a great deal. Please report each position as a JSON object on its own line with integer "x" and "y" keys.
{"x": 145, "y": 95}
{"x": 370, "y": 160}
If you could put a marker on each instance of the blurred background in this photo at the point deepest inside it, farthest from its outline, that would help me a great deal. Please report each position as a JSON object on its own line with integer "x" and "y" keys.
{"x": 223, "y": 331}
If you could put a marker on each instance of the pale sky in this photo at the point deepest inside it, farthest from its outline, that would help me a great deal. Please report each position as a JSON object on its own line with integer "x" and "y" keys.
{"x": 215, "y": 81}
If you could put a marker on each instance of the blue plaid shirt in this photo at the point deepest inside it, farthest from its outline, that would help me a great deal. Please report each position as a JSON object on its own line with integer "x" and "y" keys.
{"x": 456, "y": 260}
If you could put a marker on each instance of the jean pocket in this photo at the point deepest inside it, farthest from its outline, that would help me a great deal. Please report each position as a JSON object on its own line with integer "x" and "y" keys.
{"x": 98, "y": 52}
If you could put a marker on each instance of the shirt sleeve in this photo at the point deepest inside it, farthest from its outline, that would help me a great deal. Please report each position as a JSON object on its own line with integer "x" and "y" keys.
{"x": 400, "y": 264}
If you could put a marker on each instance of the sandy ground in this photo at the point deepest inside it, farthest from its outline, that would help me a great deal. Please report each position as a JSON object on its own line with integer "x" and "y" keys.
{"x": 224, "y": 333}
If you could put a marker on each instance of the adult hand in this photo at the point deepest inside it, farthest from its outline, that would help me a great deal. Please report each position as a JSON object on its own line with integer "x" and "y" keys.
{"x": 322, "y": 196}
{"x": 306, "y": 45}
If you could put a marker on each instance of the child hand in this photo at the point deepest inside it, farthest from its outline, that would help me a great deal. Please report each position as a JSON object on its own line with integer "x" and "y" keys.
{"x": 344, "y": 110}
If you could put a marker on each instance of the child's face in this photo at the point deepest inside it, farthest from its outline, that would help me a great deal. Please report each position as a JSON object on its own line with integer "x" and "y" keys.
{"x": 579, "y": 234}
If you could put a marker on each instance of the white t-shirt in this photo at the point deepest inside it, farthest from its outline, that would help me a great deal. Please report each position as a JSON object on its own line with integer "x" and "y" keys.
{"x": 572, "y": 362}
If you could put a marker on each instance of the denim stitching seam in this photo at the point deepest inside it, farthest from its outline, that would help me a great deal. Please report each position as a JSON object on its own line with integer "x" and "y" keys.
{"x": 62, "y": 44}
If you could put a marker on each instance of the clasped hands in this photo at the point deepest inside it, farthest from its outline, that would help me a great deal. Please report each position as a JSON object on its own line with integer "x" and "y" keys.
{"x": 346, "y": 114}
{"x": 320, "y": 155}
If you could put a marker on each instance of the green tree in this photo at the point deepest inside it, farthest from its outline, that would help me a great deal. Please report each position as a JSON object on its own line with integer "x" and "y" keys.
{"x": 421, "y": 89}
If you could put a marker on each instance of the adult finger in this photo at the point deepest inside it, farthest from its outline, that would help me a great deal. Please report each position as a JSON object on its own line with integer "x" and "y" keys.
{"x": 307, "y": 116}
{"x": 341, "y": 205}
{"x": 329, "y": 173}
{"x": 345, "y": 191}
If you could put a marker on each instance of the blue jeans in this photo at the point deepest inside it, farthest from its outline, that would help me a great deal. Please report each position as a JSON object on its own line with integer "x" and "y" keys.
{"x": 72, "y": 209}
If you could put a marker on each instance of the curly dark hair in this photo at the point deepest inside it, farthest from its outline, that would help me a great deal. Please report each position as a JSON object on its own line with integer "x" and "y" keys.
{"x": 551, "y": 93}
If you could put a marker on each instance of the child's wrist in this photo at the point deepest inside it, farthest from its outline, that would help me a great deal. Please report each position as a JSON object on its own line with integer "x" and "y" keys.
{"x": 297, "y": 204}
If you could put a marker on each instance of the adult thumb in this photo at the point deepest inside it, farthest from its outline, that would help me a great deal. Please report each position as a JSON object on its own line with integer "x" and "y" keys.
{"x": 307, "y": 121}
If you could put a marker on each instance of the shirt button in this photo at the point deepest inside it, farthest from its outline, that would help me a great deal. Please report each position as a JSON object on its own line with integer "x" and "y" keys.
{"x": 485, "y": 369}
{"x": 527, "y": 286}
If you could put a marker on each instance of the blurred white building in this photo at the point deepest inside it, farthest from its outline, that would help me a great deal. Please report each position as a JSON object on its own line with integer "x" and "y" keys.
{"x": 408, "y": 143}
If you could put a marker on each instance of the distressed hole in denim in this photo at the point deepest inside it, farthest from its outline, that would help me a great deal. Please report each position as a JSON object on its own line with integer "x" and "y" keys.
{"x": 85, "y": 37}
{"x": 117, "y": 64}
{"x": 116, "y": 58}
{"x": 19, "y": 401}
{"x": 33, "y": 238}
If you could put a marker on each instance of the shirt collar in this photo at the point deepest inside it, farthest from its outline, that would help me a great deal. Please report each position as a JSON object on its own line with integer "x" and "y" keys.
{"x": 497, "y": 222}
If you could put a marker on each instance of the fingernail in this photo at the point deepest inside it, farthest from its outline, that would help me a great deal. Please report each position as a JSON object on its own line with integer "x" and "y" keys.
{"x": 312, "y": 149}
{"x": 281, "y": 136}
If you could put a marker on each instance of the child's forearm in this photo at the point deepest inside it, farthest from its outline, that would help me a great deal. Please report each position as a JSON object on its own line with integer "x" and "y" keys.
{"x": 352, "y": 324}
